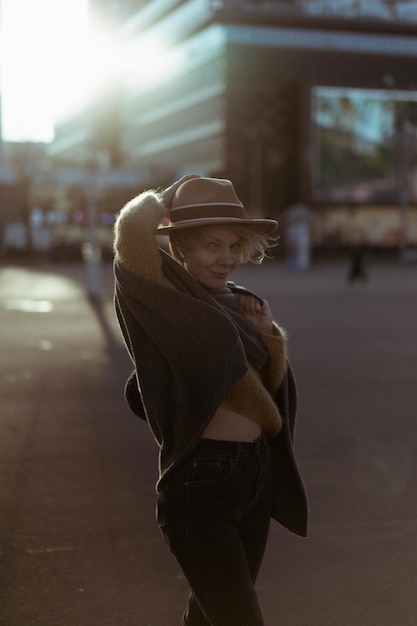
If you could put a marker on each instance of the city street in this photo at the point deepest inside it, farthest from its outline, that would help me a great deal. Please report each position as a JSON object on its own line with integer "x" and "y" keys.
{"x": 79, "y": 545}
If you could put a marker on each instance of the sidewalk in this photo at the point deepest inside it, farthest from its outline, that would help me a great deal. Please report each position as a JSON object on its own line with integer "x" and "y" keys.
{"x": 77, "y": 533}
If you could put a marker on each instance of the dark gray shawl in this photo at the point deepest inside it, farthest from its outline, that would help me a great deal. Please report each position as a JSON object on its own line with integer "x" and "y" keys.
{"x": 182, "y": 374}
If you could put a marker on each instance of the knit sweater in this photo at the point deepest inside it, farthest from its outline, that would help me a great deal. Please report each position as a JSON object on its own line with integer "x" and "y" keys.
{"x": 181, "y": 374}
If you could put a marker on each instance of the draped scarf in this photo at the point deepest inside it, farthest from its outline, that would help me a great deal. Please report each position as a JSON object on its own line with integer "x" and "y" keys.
{"x": 224, "y": 299}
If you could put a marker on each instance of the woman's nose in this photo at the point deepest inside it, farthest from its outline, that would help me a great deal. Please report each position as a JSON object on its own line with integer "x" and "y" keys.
{"x": 226, "y": 257}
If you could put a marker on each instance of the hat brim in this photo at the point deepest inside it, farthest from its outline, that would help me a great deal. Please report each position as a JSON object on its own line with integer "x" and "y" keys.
{"x": 261, "y": 226}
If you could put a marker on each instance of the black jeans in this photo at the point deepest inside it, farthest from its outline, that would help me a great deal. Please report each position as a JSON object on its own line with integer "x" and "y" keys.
{"x": 214, "y": 513}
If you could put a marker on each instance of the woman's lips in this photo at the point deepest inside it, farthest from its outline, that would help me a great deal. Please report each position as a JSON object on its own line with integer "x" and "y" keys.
{"x": 220, "y": 275}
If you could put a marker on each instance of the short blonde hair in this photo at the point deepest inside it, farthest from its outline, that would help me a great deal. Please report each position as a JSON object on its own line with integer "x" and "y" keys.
{"x": 254, "y": 245}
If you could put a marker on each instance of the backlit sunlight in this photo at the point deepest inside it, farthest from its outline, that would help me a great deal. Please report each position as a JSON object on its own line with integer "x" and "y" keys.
{"x": 41, "y": 50}
{"x": 51, "y": 64}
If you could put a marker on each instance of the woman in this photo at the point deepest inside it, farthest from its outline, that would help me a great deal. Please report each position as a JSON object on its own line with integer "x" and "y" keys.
{"x": 213, "y": 382}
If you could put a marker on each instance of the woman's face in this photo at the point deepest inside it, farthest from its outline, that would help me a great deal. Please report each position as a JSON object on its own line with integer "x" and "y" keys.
{"x": 213, "y": 256}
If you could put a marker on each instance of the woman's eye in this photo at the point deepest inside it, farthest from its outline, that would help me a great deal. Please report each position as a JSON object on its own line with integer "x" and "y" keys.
{"x": 236, "y": 246}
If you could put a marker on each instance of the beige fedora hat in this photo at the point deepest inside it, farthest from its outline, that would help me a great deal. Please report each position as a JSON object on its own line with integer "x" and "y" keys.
{"x": 209, "y": 202}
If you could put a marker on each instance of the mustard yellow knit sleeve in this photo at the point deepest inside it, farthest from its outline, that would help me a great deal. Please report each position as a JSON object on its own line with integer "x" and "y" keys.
{"x": 135, "y": 245}
{"x": 275, "y": 368}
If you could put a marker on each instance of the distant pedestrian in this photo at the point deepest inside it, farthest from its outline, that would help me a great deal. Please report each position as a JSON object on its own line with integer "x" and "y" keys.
{"x": 357, "y": 270}
{"x": 213, "y": 382}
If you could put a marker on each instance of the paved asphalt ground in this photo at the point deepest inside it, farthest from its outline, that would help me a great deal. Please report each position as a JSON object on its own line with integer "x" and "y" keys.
{"x": 78, "y": 542}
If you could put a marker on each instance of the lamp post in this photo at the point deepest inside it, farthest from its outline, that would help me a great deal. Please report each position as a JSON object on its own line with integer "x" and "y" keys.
{"x": 91, "y": 250}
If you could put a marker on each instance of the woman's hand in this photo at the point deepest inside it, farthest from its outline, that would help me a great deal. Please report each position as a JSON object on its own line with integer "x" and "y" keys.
{"x": 169, "y": 193}
{"x": 259, "y": 314}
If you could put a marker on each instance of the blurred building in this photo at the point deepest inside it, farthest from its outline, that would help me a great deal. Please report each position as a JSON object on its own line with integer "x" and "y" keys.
{"x": 297, "y": 101}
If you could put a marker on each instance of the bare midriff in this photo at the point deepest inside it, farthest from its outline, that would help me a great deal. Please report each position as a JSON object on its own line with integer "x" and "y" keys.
{"x": 230, "y": 426}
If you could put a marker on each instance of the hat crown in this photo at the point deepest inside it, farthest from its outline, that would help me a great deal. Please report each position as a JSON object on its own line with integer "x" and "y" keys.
{"x": 199, "y": 192}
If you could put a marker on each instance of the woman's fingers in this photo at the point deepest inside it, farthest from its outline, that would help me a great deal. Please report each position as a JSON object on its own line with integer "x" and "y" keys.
{"x": 169, "y": 192}
{"x": 249, "y": 304}
{"x": 259, "y": 314}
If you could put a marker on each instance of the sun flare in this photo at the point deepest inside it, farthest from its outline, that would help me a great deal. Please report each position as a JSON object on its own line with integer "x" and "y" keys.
{"x": 42, "y": 48}
{"x": 54, "y": 61}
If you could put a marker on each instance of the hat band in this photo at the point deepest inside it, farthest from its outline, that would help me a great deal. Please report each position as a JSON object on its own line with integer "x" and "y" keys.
{"x": 232, "y": 211}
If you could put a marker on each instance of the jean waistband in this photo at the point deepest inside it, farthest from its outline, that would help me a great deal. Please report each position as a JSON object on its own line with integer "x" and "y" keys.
{"x": 232, "y": 448}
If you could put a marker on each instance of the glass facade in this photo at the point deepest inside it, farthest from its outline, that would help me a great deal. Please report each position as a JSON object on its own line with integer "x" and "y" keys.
{"x": 385, "y": 10}
{"x": 364, "y": 145}
{"x": 180, "y": 117}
